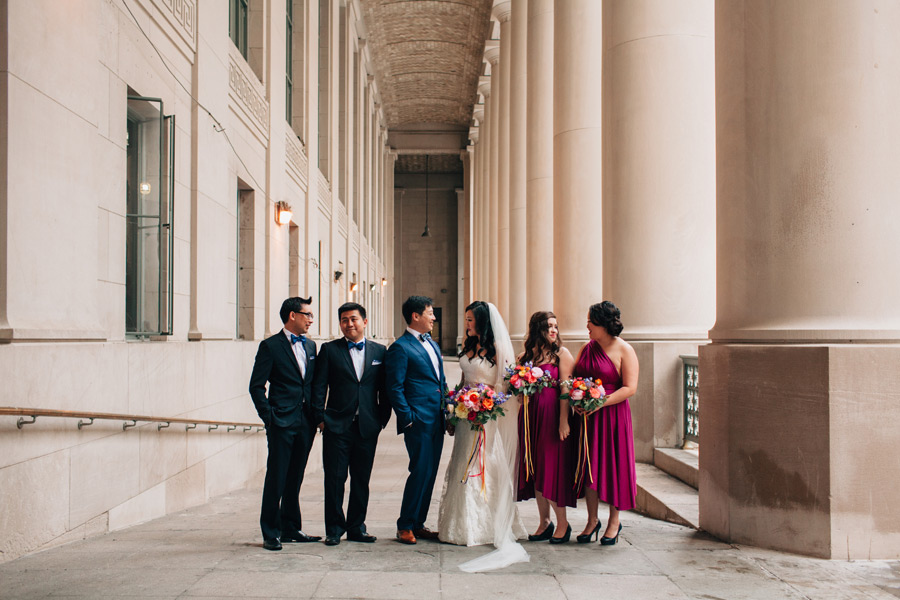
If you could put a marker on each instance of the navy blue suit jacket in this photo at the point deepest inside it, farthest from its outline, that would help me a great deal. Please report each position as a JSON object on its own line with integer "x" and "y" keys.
{"x": 289, "y": 396}
{"x": 415, "y": 391}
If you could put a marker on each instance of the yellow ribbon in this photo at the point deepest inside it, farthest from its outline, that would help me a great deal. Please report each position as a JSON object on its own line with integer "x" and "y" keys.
{"x": 529, "y": 466}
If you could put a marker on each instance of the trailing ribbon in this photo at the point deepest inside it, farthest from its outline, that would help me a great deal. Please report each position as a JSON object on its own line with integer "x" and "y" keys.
{"x": 584, "y": 451}
{"x": 476, "y": 455}
{"x": 529, "y": 466}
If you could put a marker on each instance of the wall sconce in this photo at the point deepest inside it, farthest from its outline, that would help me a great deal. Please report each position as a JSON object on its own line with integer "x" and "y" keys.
{"x": 353, "y": 286}
{"x": 283, "y": 213}
{"x": 339, "y": 272}
{"x": 372, "y": 288}
{"x": 383, "y": 282}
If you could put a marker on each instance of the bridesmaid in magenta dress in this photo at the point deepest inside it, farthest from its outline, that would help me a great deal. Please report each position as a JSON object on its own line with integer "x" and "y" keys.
{"x": 552, "y": 449}
{"x": 611, "y": 474}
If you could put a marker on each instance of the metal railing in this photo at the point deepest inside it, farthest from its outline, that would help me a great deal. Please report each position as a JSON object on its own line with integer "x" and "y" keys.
{"x": 87, "y": 418}
{"x": 690, "y": 395}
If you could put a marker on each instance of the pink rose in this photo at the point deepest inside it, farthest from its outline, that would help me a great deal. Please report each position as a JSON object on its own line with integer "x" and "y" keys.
{"x": 577, "y": 395}
{"x": 537, "y": 372}
{"x": 595, "y": 393}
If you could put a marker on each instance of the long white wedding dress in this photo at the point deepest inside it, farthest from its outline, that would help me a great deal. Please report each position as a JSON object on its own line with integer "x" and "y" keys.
{"x": 467, "y": 516}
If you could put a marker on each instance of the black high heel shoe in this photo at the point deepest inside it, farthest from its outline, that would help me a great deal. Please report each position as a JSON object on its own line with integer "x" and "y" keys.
{"x": 544, "y": 535}
{"x": 584, "y": 538}
{"x": 610, "y": 541}
{"x": 563, "y": 539}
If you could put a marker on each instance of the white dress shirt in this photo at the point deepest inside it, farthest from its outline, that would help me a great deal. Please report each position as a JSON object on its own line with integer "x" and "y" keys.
{"x": 299, "y": 353}
{"x": 429, "y": 348}
{"x": 359, "y": 359}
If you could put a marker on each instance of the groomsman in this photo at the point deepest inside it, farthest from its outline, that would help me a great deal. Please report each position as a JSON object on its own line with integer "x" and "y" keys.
{"x": 351, "y": 408}
{"x": 286, "y": 361}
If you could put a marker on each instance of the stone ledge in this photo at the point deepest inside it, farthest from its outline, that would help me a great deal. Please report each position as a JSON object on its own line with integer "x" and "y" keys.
{"x": 664, "y": 497}
{"x": 682, "y": 464}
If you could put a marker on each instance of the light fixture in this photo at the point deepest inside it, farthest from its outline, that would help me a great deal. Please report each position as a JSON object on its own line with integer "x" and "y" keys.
{"x": 353, "y": 286}
{"x": 339, "y": 272}
{"x": 283, "y": 213}
{"x": 144, "y": 188}
{"x": 372, "y": 288}
{"x": 426, "y": 233}
{"x": 383, "y": 282}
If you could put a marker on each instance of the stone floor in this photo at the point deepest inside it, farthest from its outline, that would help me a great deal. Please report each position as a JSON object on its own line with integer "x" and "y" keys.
{"x": 215, "y": 551}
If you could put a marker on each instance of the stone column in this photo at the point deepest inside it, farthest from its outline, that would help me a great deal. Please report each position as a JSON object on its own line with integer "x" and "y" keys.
{"x": 484, "y": 208}
{"x": 800, "y": 385}
{"x": 578, "y": 223}
{"x": 391, "y": 308}
{"x": 659, "y": 196}
{"x": 475, "y": 222}
{"x": 492, "y": 54}
{"x": 539, "y": 158}
{"x": 518, "y": 272}
{"x": 502, "y": 12}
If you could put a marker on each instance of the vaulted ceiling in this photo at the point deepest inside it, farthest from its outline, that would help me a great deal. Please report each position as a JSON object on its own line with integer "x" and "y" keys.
{"x": 427, "y": 56}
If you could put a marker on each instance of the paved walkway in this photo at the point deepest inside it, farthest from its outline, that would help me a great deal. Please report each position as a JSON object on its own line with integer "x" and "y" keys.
{"x": 215, "y": 551}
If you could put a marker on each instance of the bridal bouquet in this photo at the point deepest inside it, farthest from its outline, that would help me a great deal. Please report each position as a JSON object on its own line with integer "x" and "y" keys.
{"x": 587, "y": 395}
{"x": 528, "y": 380}
{"x": 476, "y": 404}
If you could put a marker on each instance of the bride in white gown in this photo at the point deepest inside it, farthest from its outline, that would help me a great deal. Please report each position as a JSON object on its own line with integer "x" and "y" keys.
{"x": 468, "y": 516}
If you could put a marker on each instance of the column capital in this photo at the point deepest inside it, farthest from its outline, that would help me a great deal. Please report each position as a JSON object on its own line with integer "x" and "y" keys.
{"x": 492, "y": 52}
{"x": 478, "y": 113}
{"x": 473, "y": 134}
{"x": 361, "y": 43}
{"x": 502, "y": 10}
{"x": 484, "y": 86}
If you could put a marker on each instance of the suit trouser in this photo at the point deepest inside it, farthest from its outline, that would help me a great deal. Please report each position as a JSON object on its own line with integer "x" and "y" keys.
{"x": 424, "y": 443}
{"x": 288, "y": 452}
{"x": 343, "y": 453}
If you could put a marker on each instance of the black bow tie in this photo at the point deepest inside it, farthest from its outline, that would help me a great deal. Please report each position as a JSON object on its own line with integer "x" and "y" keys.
{"x": 358, "y": 345}
{"x": 298, "y": 338}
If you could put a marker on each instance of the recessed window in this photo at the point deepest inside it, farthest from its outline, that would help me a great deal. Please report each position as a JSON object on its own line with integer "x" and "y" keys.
{"x": 237, "y": 24}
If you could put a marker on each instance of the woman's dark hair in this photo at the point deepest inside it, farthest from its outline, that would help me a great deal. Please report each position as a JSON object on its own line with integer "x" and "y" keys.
{"x": 606, "y": 315}
{"x": 484, "y": 334}
{"x": 538, "y": 343}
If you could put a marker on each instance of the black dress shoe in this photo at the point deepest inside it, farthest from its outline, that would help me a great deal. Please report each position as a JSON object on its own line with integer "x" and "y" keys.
{"x": 271, "y": 544}
{"x": 298, "y": 536}
{"x": 611, "y": 541}
{"x": 332, "y": 540}
{"x": 361, "y": 536}
{"x": 544, "y": 535}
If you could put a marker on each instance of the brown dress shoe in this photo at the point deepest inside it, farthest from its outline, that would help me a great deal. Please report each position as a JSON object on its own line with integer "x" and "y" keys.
{"x": 405, "y": 536}
{"x": 425, "y": 533}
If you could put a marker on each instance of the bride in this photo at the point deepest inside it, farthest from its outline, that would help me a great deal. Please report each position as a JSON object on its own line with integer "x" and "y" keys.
{"x": 468, "y": 516}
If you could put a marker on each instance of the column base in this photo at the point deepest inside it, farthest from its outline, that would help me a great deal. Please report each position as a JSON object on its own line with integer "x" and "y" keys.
{"x": 799, "y": 447}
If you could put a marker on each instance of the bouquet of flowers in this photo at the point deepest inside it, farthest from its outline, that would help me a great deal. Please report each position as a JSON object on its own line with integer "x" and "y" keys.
{"x": 587, "y": 395}
{"x": 528, "y": 380}
{"x": 476, "y": 405}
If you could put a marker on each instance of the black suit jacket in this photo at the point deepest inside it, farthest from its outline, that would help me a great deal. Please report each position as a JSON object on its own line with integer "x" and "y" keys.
{"x": 289, "y": 393}
{"x": 337, "y": 393}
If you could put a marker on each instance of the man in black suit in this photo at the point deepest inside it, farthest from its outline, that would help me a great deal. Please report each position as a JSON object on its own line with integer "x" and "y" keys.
{"x": 287, "y": 362}
{"x": 350, "y": 372}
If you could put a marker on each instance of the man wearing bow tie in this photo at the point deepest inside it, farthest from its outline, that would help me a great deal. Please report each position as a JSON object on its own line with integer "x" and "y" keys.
{"x": 286, "y": 361}
{"x": 351, "y": 409}
{"x": 416, "y": 388}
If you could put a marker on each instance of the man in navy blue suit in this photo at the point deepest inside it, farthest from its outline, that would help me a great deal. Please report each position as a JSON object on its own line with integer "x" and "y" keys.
{"x": 416, "y": 388}
{"x": 286, "y": 361}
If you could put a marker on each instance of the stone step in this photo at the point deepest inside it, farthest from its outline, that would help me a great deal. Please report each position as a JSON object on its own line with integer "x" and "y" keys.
{"x": 683, "y": 464}
{"x": 663, "y": 497}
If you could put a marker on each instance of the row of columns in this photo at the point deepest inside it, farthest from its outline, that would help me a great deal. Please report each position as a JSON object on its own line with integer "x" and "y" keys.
{"x": 724, "y": 176}
{"x": 562, "y": 203}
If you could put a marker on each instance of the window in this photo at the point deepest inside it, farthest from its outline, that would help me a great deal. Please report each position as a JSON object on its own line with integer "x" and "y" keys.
{"x": 296, "y": 67}
{"x": 289, "y": 61}
{"x": 237, "y": 24}
{"x": 246, "y": 268}
{"x": 324, "y": 86}
{"x": 149, "y": 191}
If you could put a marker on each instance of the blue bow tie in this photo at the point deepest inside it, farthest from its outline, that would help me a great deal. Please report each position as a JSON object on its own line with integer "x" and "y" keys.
{"x": 298, "y": 338}
{"x": 424, "y": 337}
{"x": 358, "y": 345}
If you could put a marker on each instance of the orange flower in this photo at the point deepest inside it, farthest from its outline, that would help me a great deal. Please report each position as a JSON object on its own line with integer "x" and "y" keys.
{"x": 595, "y": 393}
{"x": 487, "y": 403}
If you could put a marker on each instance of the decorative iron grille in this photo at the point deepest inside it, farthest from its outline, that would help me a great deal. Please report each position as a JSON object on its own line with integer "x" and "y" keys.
{"x": 690, "y": 395}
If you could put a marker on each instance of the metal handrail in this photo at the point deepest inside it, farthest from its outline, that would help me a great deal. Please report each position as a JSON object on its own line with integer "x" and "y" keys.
{"x": 129, "y": 420}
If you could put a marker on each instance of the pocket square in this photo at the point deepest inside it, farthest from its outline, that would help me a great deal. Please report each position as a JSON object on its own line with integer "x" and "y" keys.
{"x": 376, "y": 362}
